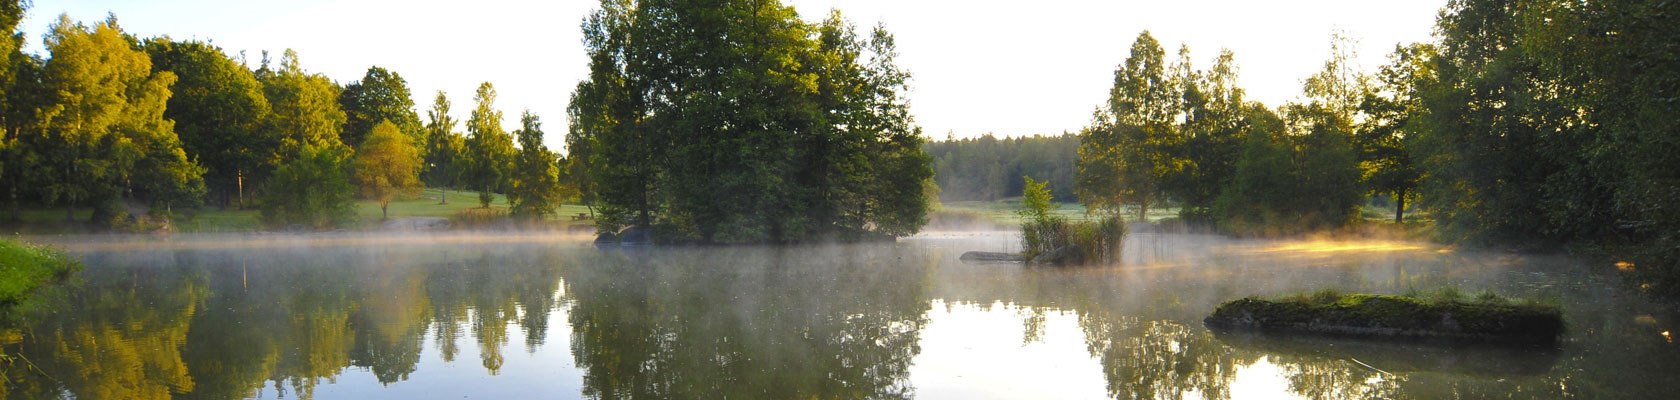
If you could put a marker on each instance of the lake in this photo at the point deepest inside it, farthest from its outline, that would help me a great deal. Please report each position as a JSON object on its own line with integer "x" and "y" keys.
{"x": 495, "y": 316}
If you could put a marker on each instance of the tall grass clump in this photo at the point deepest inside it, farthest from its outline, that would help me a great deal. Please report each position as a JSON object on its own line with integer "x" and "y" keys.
{"x": 1052, "y": 239}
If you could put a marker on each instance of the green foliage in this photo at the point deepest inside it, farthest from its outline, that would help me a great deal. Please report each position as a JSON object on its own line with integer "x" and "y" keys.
{"x": 974, "y": 169}
{"x": 1122, "y": 155}
{"x": 219, "y": 111}
{"x": 380, "y": 96}
{"x": 103, "y": 132}
{"x": 445, "y": 147}
{"x": 312, "y": 190}
{"x": 305, "y": 106}
{"x": 535, "y": 191}
{"x": 1391, "y": 111}
{"x": 750, "y": 125}
{"x": 1042, "y": 233}
{"x": 489, "y": 150}
{"x": 387, "y": 166}
{"x": 24, "y": 267}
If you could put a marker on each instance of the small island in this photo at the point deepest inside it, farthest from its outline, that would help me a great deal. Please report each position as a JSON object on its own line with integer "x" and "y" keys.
{"x": 1484, "y": 318}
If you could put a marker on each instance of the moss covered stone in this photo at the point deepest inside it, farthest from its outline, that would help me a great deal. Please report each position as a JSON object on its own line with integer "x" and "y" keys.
{"x": 1370, "y": 315}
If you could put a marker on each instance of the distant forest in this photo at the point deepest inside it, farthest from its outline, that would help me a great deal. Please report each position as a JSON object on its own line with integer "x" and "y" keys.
{"x": 987, "y": 168}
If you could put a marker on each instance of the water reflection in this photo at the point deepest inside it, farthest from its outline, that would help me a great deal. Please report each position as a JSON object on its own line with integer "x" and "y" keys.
{"x": 822, "y": 322}
{"x": 511, "y": 316}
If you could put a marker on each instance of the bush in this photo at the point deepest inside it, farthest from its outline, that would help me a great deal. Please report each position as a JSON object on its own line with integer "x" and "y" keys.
{"x": 312, "y": 190}
{"x": 1041, "y": 233}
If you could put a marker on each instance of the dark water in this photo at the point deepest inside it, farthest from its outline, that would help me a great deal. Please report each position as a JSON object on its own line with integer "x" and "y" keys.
{"x": 508, "y": 316}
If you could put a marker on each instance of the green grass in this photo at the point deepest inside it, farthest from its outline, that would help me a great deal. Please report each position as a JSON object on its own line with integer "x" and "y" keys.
{"x": 24, "y": 267}
{"x": 1443, "y": 313}
{"x": 51, "y": 220}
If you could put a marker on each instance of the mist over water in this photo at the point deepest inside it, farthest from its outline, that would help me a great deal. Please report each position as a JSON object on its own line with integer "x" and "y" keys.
{"x": 518, "y": 315}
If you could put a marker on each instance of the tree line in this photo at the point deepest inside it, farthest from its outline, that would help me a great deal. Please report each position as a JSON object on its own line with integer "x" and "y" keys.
{"x": 159, "y": 127}
{"x": 987, "y": 168}
{"x": 1533, "y": 123}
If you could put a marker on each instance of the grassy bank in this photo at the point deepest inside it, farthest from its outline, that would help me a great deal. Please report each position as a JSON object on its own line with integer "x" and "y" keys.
{"x": 1445, "y": 314}
{"x": 25, "y": 267}
{"x": 461, "y": 203}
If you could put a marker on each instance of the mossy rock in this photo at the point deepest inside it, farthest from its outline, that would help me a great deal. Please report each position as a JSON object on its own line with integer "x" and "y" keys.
{"x": 1367, "y": 315}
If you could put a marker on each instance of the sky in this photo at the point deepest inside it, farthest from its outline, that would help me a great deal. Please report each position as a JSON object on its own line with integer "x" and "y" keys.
{"x": 1012, "y": 68}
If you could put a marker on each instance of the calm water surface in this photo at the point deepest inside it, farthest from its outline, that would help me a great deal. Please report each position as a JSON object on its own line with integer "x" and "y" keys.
{"x": 516, "y": 316}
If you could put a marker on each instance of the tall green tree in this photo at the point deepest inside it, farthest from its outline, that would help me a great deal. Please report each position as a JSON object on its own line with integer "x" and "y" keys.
{"x": 535, "y": 190}
{"x": 739, "y": 122}
{"x": 103, "y": 125}
{"x": 381, "y": 95}
{"x": 219, "y": 111}
{"x": 489, "y": 149}
{"x": 1122, "y": 154}
{"x": 1388, "y": 128}
{"x": 387, "y": 165}
{"x": 1201, "y": 157}
{"x": 305, "y": 106}
{"x": 20, "y": 89}
{"x": 444, "y": 158}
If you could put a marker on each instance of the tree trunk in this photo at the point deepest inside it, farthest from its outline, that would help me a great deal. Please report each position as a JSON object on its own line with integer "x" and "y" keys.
{"x": 1143, "y": 210}
{"x": 1399, "y": 205}
{"x": 383, "y": 213}
{"x": 443, "y": 196}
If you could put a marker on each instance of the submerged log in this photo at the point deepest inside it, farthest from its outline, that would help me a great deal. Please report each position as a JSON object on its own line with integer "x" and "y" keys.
{"x": 991, "y": 257}
{"x": 1388, "y": 316}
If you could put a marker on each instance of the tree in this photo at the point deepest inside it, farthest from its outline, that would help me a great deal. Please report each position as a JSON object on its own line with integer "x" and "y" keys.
{"x": 380, "y": 96}
{"x": 387, "y": 165}
{"x": 1210, "y": 139}
{"x": 1264, "y": 183}
{"x": 219, "y": 111}
{"x": 311, "y": 190}
{"x": 1384, "y": 136}
{"x": 305, "y": 106}
{"x": 535, "y": 190}
{"x": 444, "y": 147}
{"x": 740, "y": 123}
{"x": 103, "y": 125}
{"x": 1123, "y": 151}
{"x": 489, "y": 149}
{"x": 20, "y": 91}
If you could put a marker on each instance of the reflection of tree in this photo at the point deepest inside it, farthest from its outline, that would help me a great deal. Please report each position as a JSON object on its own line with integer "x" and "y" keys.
{"x": 1159, "y": 359}
{"x": 115, "y": 340}
{"x": 811, "y": 322}
{"x": 287, "y": 317}
{"x": 390, "y": 324}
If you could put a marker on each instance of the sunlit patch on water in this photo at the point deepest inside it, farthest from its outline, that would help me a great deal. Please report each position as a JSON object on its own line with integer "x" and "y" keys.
{"x": 1342, "y": 247}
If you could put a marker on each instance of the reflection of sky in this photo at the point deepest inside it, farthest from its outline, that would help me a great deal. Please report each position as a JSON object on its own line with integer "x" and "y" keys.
{"x": 973, "y": 353}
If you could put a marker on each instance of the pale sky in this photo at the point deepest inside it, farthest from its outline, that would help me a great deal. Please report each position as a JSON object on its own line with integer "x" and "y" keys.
{"x": 1008, "y": 67}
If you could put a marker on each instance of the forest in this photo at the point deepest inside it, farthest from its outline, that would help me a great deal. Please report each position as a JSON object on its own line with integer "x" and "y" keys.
{"x": 1529, "y": 124}
{"x": 144, "y": 131}
{"x": 988, "y": 168}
